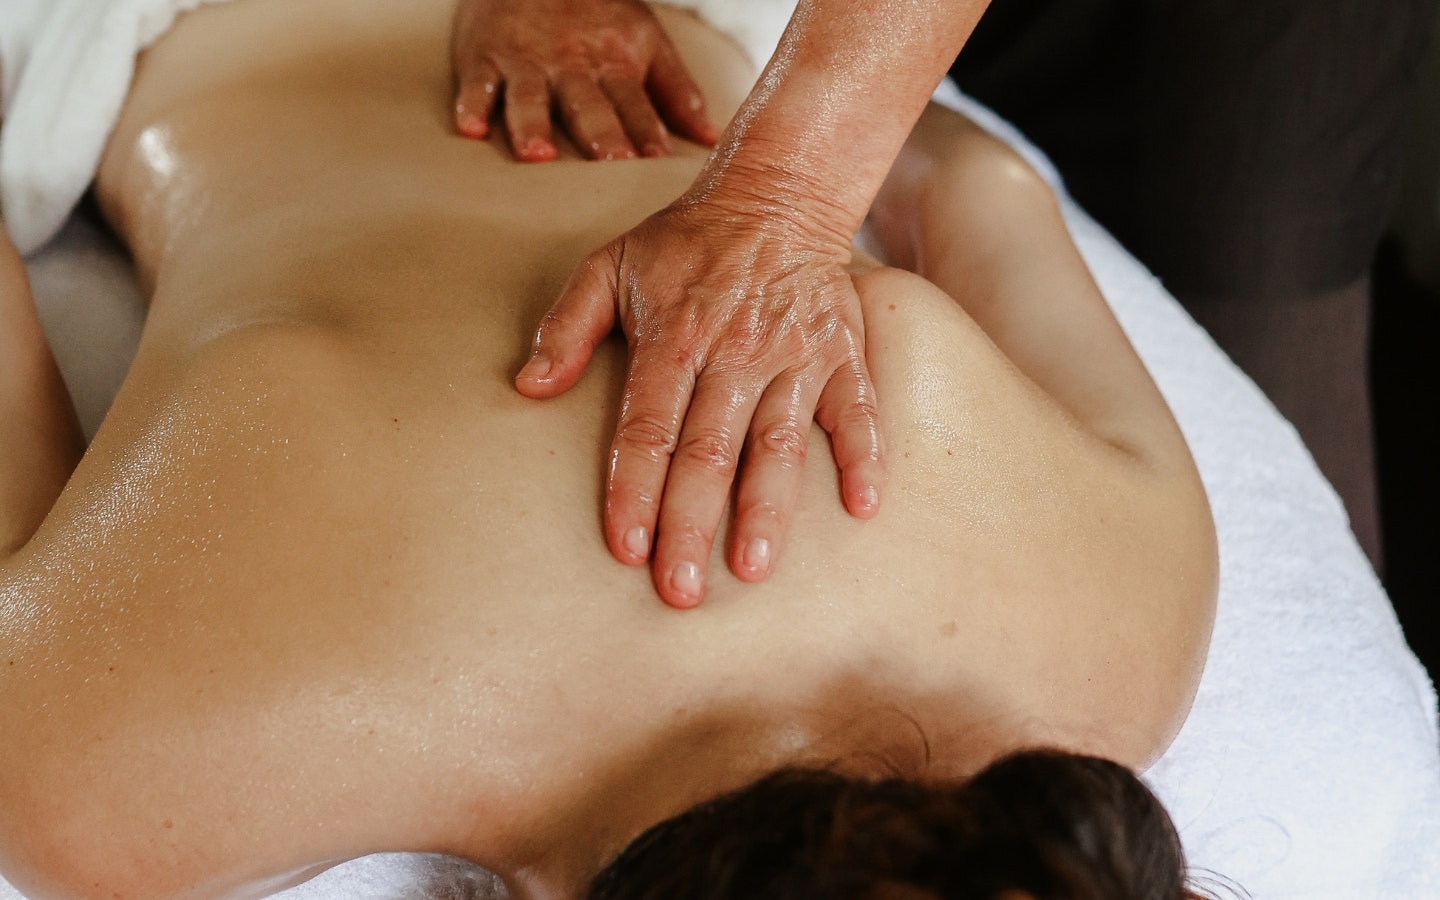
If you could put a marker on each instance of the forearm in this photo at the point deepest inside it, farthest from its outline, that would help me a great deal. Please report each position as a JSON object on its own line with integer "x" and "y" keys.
{"x": 835, "y": 103}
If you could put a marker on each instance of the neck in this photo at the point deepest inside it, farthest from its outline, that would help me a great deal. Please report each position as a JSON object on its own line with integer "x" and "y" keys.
{"x": 689, "y": 760}
{"x": 636, "y": 780}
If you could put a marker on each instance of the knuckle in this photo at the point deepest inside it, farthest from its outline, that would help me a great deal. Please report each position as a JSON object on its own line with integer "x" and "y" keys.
{"x": 761, "y": 515}
{"x": 785, "y": 441}
{"x": 709, "y": 449}
{"x": 688, "y": 532}
{"x": 553, "y": 321}
{"x": 527, "y": 93}
{"x": 859, "y": 414}
{"x": 648, "y": 435}
{"x": 686, "y": 355}
{"x": 618, "y": 76}
{"x": 573, "y": 67}
{"x": 580, "y": 109}
{"x": 631, "y": 500}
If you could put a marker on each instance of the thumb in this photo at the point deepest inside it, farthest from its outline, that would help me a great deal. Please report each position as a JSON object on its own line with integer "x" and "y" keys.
{"x": 582, "y": 316}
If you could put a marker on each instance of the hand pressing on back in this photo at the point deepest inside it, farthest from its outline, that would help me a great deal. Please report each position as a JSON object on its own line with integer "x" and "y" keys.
{"x": 744, "y": 327}
{"x": 605, "y": 66}
{"x": 736, "y": 301}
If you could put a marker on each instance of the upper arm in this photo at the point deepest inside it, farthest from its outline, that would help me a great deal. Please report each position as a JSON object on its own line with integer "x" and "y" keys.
{"x": 969, "y": 214}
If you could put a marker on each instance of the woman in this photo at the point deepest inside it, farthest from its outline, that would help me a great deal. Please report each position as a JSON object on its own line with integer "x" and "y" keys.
{"x": 325, "y": 585}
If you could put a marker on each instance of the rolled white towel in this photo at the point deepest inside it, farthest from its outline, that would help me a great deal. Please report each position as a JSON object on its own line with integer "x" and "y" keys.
{"x": 67, "y": 65}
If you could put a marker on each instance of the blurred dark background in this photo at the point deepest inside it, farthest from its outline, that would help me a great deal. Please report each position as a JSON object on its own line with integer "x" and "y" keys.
{"x": 1405, "y": 381}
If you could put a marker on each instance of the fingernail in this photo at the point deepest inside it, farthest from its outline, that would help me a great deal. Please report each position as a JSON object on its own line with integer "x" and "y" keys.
{"x": 472, "y": 125}
{"x": 537, "y": 367}
{"x": 637, "y": 541}
{"x": 757, "y": 555}
{"x": 685, "y": 578}
{"x": 654, "y": 149}
{"x": 869, "y": 498}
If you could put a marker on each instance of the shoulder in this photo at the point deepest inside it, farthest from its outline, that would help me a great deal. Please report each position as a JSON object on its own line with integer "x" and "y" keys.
{"x": 1073, "y": 578}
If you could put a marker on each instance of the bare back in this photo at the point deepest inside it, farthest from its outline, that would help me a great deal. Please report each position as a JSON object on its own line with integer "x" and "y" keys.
{"x": 322, "y": 544}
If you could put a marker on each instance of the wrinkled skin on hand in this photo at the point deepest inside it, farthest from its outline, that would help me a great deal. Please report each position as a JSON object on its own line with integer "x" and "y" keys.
{"x": 744, "y": 327}
{"x": 606, "y": 66}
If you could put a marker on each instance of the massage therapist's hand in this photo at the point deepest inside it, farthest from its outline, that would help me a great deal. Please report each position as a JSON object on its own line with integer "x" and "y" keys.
{"x": 607, "y": 66}
{"x": 744, "y": 326}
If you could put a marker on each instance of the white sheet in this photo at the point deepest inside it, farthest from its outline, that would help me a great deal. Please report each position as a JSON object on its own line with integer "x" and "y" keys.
{"x": 1309, "y": 767}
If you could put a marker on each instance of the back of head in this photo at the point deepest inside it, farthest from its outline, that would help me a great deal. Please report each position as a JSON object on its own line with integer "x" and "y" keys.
{"x": 1038, "y": 824}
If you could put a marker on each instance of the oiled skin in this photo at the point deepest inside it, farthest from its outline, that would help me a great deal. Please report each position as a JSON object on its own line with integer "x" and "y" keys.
{"x": 324, "y": 584}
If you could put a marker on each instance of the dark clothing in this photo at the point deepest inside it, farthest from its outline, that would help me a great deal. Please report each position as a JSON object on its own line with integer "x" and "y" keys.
{"x": 1237, "y": 147}
{"x": 1248, "y": 152}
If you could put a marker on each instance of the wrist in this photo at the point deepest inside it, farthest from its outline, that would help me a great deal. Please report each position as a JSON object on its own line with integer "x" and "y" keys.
{"x": 772, "y": 177}
{"x": 800, "y": 142}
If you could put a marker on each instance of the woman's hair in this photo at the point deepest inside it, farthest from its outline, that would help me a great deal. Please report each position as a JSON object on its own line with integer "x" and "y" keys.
{"x": 1044, "y": 823}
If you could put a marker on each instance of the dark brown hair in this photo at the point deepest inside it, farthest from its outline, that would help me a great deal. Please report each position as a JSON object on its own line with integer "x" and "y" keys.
{"x": 1047, "y": 823}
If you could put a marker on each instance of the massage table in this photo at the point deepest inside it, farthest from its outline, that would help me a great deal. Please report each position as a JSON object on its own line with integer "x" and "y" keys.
{"x": 1309, "y": 767}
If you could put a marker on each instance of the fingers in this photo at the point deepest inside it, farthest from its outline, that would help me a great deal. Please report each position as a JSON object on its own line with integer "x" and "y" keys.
{"x": 591, "y": 119}
{"x": 657, "y": 391}
{"x": 527, "y": 114}
{"x": 847, "y": 410}
{"x": 475, "y": 98}
{"x": 605, "y": 124}
{"x": 703, "y": 461}
{"x": 702, "y": 470}
{"x": 608, "y": 120}
{"x": 774, "y": 460}
{"x": 678, "y": 97}
{"x": 566, "y": 338}
{"x": 642, "y": 123}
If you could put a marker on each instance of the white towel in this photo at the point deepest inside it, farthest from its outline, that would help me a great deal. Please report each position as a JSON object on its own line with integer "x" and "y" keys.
{"x": 67, "y": 66}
